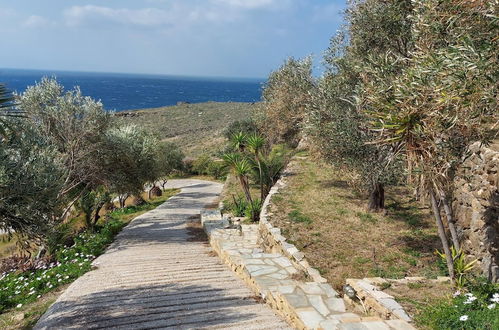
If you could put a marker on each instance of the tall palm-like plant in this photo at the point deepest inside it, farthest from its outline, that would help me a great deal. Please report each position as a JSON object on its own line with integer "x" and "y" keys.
{"x": 238, "y": 141}
{"x": 241, "y": 168}
{"x": 255, "y": 145}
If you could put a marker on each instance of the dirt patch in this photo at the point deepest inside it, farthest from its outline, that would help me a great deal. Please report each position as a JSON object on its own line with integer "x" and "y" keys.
{"x": 196, "y": 232}
{"x": 257, "y": 298}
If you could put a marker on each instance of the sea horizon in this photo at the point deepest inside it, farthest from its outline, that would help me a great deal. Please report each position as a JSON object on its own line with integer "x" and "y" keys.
{"x": 129, "y": 91}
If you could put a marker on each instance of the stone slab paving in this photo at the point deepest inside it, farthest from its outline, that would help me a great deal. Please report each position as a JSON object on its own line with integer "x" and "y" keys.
{"x": 158, "y": 275}
{"x": 306, "y": 304}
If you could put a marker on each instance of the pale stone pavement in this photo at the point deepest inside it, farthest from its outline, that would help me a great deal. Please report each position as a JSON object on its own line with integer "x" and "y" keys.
{"x": 158, "y": 275}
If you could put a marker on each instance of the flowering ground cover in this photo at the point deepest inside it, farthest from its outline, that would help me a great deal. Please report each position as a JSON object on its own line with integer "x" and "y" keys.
{"x": 476, "y": 309}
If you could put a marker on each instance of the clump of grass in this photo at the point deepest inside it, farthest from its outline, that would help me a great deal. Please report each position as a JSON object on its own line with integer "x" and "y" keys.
{"x": 297, "y": 216}
{"x": 366, "y": 217}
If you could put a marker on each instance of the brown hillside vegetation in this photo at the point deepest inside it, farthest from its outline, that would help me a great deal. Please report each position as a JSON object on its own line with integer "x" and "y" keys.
{"x": 196, "y": 128}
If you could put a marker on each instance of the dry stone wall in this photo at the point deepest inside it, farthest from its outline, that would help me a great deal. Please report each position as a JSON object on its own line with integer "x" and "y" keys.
{"x": 476, "y": 206}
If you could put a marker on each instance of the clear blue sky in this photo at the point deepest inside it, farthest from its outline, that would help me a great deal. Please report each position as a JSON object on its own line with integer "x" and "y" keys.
{"x": 232, "y": 38}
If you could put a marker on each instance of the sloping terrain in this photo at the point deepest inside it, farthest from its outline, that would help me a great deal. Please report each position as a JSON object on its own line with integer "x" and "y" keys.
{"x": 196, "y": 128}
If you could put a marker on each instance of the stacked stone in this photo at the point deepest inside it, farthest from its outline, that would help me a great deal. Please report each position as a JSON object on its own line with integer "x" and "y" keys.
{"x": 476, "y": 206}
{"x": 273, "y": 276}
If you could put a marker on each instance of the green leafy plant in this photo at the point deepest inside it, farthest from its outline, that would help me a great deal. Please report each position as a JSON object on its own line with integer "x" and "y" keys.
{"x": 462, "y": 267}
{"x": 238, "y": 206}
{"x": 253, "y": 209}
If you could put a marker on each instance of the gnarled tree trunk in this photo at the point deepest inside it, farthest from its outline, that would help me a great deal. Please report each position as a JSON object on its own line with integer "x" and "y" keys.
{"x": 377, "y": 198}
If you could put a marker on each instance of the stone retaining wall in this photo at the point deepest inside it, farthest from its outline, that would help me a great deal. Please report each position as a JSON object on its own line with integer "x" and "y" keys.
{"x": 271, "y": 239}
{"x": 476, "y": 206}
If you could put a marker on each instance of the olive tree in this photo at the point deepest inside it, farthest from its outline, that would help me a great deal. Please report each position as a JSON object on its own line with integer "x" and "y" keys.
{"x": 129, "y": 159}
{"x": 31, "y": 177}
{"x": 444, "y": 99}
{"x": 374, "y": 31}
{"x": 168, "y": 160}
{"x": 285, "y": 97}
{"x": 74, "y": 125}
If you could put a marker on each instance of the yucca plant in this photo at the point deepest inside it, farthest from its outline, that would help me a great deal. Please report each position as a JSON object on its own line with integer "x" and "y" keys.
{"x": 255, "y": 144}
{"x": 7, "y": 107}
{"x": 241, "y": 168}
{"x": 238, "y": 141}
{"x": 253, "y": 209}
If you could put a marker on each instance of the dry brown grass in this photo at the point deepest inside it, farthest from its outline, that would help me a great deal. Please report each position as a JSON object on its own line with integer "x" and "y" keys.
{"x": 415, "y": 296}
{"x": 326, "y": 219}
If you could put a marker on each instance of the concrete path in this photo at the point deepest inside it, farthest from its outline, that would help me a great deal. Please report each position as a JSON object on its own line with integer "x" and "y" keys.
{"x": 160, "y": 274}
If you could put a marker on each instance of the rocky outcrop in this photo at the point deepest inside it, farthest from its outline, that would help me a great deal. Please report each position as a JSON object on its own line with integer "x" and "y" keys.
{"x": 476, "y": 206}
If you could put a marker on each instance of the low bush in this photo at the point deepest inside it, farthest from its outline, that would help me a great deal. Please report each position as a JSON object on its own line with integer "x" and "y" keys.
{"x": 476, "y": 309}
{"x": 201, "y": 164}
{"x": 217, "y": 170}
{"x": 237, "y": 206}
{"x": 246, "y": 126}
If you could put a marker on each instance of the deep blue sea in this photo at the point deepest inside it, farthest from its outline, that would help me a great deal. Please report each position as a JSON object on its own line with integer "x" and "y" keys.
{"x": 135, "y": 91}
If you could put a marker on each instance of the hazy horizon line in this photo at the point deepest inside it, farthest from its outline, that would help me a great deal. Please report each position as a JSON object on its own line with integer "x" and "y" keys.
{"x": 48, "y": 71}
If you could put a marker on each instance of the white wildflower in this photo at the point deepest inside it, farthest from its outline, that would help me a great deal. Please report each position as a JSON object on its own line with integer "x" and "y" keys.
{"x": 19, "y": 305}
{"x": 463, "y": 318}
{"x": 491, "y": 306}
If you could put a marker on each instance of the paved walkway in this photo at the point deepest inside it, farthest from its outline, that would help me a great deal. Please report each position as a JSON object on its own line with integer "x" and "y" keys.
{"x": 157, "y": 274}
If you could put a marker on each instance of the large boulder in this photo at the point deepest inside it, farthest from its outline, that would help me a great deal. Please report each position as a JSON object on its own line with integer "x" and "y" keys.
{"x": 156, "y": 191}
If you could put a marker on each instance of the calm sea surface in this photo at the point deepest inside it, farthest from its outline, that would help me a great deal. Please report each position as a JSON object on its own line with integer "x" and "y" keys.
{"x": 132, "y": 91}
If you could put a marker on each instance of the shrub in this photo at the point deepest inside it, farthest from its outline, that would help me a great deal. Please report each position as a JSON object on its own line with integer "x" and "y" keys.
{"x": 237, "y": 206}
{"x": 217, "y": 170}
{"x": 201, "y": 164}
{"x": 246, "y": 126}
